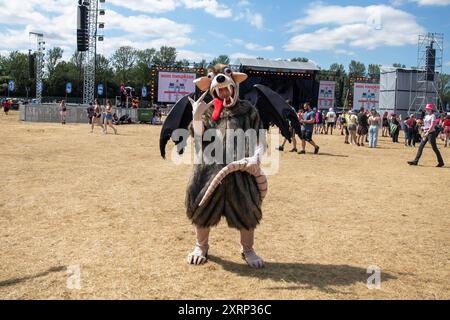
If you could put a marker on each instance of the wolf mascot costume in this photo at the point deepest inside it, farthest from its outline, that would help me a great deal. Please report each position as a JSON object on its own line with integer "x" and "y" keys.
{"x": 233, "y": 185}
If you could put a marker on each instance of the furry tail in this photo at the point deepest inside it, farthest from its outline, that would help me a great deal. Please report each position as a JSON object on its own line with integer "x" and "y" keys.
{"x": 260, "y": 177}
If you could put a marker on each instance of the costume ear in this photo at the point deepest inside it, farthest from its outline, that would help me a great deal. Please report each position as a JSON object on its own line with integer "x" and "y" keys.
{"x": 239, "y": 77}
{"x": 203, "y": 83}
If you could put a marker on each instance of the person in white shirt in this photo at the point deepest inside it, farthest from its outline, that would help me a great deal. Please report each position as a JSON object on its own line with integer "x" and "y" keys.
{"x": 331, "y": 120}
{"x": 429, "y": 134}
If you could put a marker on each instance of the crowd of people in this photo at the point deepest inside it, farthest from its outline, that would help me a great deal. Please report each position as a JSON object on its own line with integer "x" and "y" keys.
{"x": 101, "y": 117}
{"x": 361, "y": 127}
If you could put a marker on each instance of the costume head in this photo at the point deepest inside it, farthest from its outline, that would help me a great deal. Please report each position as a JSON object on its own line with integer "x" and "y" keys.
{"x": 223, "y": 85}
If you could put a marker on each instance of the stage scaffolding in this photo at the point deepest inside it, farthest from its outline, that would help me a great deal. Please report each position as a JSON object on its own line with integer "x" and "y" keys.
{"x": 430, "y": 51}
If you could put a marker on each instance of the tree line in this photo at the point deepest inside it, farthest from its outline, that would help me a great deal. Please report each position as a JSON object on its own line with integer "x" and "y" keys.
{"x": 130, "y": 66}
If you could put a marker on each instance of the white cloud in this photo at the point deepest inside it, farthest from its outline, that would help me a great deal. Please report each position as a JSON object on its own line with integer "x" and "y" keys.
{"x": 238, "y": 55}
{"x": 340, "y": 27}
{"x": 433, "y": 2}
{"x": 212, "y": 7}
{"x": 254, "y": 18}
{"x": 257, "y": 47}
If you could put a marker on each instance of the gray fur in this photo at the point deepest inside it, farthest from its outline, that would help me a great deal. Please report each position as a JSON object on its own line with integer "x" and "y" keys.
{"x": 238, "y": 197}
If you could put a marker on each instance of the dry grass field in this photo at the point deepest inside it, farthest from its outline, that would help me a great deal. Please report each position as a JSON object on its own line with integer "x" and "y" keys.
{"x": 113, "y": 207}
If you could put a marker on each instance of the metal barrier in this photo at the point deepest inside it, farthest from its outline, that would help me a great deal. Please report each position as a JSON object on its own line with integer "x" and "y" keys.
{"x": 75, "y": 113}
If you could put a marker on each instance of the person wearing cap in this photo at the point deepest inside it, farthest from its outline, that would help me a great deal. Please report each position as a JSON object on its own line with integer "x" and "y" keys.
{"x": 331, "y": 120}
{"x": 429, "y": 134}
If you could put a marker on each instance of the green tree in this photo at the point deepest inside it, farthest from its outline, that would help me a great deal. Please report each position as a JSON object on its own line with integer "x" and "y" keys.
{"x": 123, "y": 61}
{"x": 15, "y": 67}
{"x": 374, "y": 72}
{"x": 202, "y": 64}
{"x": 222, "y": 59}
{"x": 398, "y": 65}
{"x": 337, "y": 68}
{"x": 165, "y": 56}
{"x": 444, "y": 88}
{"x": 357, "y": 69}
{"x": 300, "y": 59}
{"x": 53, "y": 58}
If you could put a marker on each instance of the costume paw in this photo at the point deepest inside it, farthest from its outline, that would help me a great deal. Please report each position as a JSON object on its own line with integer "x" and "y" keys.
{"x": 198, "y": 257}
{"x": 253, "y": 260}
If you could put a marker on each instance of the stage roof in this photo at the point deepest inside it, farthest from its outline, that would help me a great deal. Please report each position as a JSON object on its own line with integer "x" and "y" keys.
{"x": 276, "y": 65}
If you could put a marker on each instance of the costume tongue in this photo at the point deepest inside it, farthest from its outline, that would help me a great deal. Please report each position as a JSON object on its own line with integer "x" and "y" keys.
{"x": 218, "y": 106}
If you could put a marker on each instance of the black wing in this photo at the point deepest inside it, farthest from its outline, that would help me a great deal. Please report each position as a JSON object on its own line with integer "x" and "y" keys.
{"x": 274, "y": 110}
{"x": 179, "y": 118}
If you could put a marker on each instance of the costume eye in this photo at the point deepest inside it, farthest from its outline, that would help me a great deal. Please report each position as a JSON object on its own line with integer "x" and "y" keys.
{"x": 227, "y": 71}
{"x": 210, "y": 75}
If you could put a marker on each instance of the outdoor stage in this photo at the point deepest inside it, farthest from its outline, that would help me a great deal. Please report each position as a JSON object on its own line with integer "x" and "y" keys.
{"x": 111, "y": 208}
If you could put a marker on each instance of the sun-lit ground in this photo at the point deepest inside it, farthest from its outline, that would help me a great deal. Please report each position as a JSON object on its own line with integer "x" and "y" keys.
{"x": 112, "y": 207}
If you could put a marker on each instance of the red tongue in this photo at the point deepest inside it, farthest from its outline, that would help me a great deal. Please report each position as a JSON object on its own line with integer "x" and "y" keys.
{"x": 218, "y": 106}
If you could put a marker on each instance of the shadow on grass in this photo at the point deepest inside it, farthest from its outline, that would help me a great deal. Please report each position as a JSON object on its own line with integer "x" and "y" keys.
{"x": 11, "y": 282}
{"x": 303, "y": 275}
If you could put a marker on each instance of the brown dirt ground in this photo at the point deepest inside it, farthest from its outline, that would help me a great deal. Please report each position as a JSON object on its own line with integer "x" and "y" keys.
{"x": 110, "y": 205}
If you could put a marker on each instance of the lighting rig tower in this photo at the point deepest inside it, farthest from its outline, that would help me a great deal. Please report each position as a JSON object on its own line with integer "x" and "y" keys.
{"x": 88, "y": 12}
{"x": 429, "y": 64}
{"x": 40, "y": 54}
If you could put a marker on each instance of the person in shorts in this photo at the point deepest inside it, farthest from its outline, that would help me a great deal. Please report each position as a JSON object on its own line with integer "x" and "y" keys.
{"x": 331, "y": 121}
{"x": 352, "y": 127}
{"x": 308, "y": 121}
{"x": 363, "y": 127}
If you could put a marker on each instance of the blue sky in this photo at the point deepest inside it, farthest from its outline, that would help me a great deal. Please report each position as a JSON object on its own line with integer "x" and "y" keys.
{"x": 380, "y": 32}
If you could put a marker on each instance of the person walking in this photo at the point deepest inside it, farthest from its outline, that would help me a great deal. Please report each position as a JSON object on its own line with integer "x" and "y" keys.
{"x": 363, "y": 127}
{"x": 97, "y": 116}
{"x": 63, "y": 111}
{"x": 385, "y": 132}
{"x": 109, "y": 118}
{"x": 309, "y": 118}
{"x": 446, "y": 125}
{"x": 331, "y": 121}
{"x": 374, "y": 125}
{"x": 429, "y": 135}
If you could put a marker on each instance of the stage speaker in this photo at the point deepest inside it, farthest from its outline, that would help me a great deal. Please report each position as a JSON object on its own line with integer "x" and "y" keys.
{"x": 431, "y": 63}
{"x": 82, "y": 29}
{"x": 31, "y": 66}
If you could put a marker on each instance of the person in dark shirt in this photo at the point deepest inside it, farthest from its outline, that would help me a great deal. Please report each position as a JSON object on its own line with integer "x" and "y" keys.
{"x": 308, "y": 121}
{"x": 395, "y": 128}
{"x": 363, "y": 127}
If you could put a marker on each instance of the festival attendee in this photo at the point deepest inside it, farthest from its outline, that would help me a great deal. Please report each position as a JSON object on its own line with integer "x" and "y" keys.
{"x": 308, "y": 129}
{"x": 385, "y": 132}
{"x": 405, "y": 130}
{"x": 429, "y": 134}
{"x": 446, "y": 125}
{"x": 97, "y": 116}
{"x": 395, "y": 128}
{"x": 319, "y": 120}
{"x": 374, "y": 124}
{"x": 363, "y": 127}
{"x": 352, "y": 127}
{"x": 109, "y": 118}
{"x": 63, "y": 111}
{"x": 6, "y": 106}
{"x": 412, "y": 132}
{"x": 331, "y": 121}
{"x": 345, "y": 120}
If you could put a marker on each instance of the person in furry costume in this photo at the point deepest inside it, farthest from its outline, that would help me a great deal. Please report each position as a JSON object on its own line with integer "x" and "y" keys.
{"x": 231, "y": 185}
